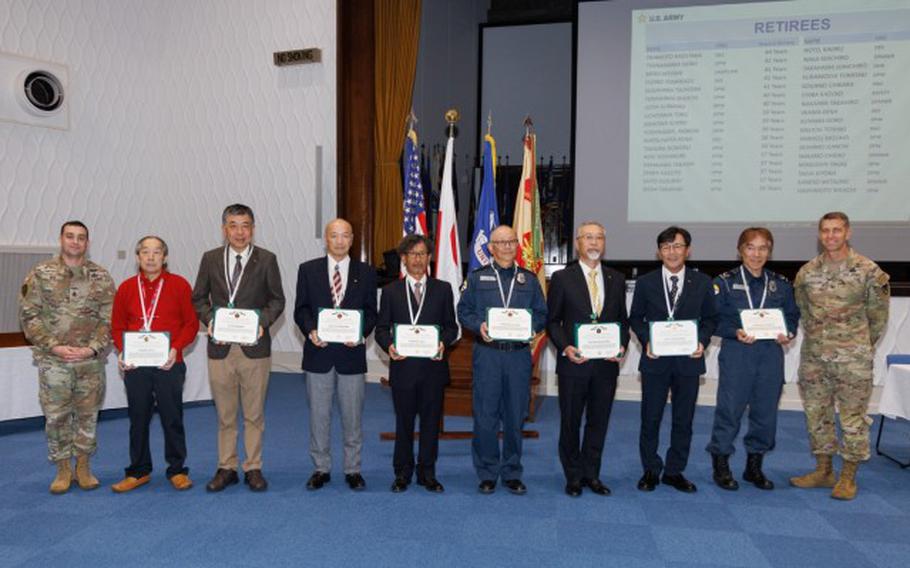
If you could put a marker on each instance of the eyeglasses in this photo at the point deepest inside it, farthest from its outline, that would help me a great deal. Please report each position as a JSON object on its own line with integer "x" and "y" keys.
{"x": 510, "y": 243}
{"x": 417, "y": 254}
{"x": 667, "y": 247}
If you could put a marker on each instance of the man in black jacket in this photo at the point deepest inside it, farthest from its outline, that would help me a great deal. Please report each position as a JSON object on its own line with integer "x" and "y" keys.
{"x": 418, "y": 383}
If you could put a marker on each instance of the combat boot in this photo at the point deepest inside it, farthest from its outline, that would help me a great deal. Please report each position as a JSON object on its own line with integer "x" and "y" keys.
{"x": 822, "y": 476}
{"x": 723, "y": 477}
{"x": 63, "y": 480}
{"x": 846, "y": 484}
{"x": 84, "y": 477}
{"x": 754, "y": 474}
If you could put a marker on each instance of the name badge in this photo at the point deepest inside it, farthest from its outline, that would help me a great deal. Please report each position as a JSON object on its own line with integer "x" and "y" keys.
{"x": 487, "y": 278}
{"x": 739, "y": 287}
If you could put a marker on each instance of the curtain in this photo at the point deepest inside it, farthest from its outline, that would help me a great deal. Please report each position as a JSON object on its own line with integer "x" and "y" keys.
{"x": 397, "y": 33}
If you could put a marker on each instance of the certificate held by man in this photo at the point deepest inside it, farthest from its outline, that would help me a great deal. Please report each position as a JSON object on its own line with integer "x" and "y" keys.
{"x": 509, "y": 324}
{"x": 233, "y": 325}
{"x": 335, "y": 325}
{"x": 146, "y": 348}
{"x": 598, "y": 340}
{"x": 417, "y": 340}
{"x": 763, "y": 323}
{"x": 674, "y": 338}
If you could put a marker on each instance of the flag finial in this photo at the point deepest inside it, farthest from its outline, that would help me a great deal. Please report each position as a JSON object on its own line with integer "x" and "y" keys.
{"x": 452, "y": 118}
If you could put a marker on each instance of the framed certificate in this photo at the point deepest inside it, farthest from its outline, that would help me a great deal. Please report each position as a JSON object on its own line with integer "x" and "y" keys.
{"x": 509, "y": 324}
{"x": 146, "y": 348}
{"x": 598, "y": 340}
{"x": 764, "y": 323}
{"x": 233, "y": 325}
{"x": 340, "y": 326}
{"x": 674, "y": 337}
{"x": 417, "y": 340}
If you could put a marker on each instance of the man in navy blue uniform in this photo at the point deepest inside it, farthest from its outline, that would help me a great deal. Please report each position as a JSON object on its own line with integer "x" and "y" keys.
{"x": 501, "y": 369}
{"x": 671, "y": 292}
{"x": 751, "y": 370}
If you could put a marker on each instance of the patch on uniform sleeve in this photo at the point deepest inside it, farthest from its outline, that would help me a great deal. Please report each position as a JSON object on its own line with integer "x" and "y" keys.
{"x": 716, "y": 289}
{"x": 464, "y": 285}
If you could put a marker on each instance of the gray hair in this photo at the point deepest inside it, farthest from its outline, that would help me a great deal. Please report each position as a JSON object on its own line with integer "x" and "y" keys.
{"x": 237, "y": 209}
{"x": 157, "y": 238}
{"x": 588, "y": 224}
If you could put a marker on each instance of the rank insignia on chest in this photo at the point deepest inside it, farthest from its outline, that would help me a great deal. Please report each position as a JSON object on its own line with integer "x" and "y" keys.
{"x": 772, "y": 286}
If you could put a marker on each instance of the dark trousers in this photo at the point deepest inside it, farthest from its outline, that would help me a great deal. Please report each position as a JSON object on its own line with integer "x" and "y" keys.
{"x": 423, "y": 399}
{"x": 502, "y": 389}
{"x": 146, "y": 389}
{"x": 591, "y": 396}
{"x": 753, "y": 376}
{"x": 654, "y": 390}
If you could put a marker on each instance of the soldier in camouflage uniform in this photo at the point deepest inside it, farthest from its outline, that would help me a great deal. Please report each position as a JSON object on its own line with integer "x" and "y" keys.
{"x": 844, "y": 298}
{"x": 65, "y": 311}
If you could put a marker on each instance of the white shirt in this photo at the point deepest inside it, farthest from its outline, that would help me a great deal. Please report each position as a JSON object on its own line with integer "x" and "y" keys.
{"x": 586, "y": 270}
{"x": 343, "y": 265}
{"x": 679, "y": 283}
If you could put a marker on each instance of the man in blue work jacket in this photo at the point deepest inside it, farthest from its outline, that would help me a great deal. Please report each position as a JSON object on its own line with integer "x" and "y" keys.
{"x": 751, "y": 369}
{"x": 501, "y": 368}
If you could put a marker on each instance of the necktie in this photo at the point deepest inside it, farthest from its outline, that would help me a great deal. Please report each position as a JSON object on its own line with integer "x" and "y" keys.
{"x": 674, "y": 289}
{"x": 594, "y": 291}
{"x": 418, "y": 291}
{"x": 238, "y": 268}
{"x": 336, "y": 285}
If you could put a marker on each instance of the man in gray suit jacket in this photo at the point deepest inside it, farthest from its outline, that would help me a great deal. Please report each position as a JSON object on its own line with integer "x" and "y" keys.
{"x": 239, "y": 275}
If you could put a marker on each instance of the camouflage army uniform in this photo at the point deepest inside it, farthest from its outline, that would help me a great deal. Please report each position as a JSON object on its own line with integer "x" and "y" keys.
{"x": 61, "y": 305}
{"x": 844, "y": 311}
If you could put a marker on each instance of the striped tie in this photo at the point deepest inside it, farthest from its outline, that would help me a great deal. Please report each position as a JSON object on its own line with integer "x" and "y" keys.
{"x": 336, "y": 285}
{"x": 238, "y": 268}
{"x": 418, "y": 291}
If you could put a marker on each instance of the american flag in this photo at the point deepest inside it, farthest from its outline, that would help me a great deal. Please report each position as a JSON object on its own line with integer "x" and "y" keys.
{"x": 415, "y": 215}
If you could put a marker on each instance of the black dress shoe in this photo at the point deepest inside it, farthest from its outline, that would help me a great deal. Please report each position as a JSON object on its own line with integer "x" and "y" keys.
{"x": 255, "y": 481}
{"x": 596, "y": 486}
{"x": 487, "y": 486}
{"x": 400, "y": 484}
{"x": 679, "y": 482}
{"x": 222, "y": 478}
{"x": 317, "y": 480}
{"x": 573, "y": 489}
{"x": 648, "y": 481}
{"x": 432, "y": 485}
{"x": 515, "y": 486}
{"x": 355, "y": 481}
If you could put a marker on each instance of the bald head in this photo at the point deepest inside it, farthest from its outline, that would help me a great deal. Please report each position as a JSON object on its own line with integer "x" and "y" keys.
{"x": 339, "y": 234}
{"x": 504, "y": 245}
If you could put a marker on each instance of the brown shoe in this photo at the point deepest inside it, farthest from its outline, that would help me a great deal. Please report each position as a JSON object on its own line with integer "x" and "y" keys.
{"x": 222, "y": 478}
{"x": 845, "y": 490}
{"x": 254, "y": 479}
{"x": 84, "y": 477}
{"x": 181, "y": 482}
{"x": 129, "y": 483}
{"x": 64, "y": 478}
{"x": 821, "y": 476}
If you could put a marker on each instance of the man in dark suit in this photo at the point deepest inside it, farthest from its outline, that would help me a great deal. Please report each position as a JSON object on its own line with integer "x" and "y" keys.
{"x": 586, "y": 291}
{"x": 418, "y": 384}
{"x": 335, "y": 281}
{"x": 670, "y": 293}
{"x": 239, "y": 275}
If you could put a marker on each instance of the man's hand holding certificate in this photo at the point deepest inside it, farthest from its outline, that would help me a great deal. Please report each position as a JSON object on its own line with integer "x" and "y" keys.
{"x": 763, "y": 323}
{"x": 509, "y": 324}
{"x": 146, "y": 348}
{"x": 335, "y": 325}
{"x": 232, "y": 325}
{"x": 674, "y": 338}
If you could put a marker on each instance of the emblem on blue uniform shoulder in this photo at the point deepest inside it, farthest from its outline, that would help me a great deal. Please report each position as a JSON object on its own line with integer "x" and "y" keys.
{"x": 716, "y": 289}
{"x": 520, "y": 277}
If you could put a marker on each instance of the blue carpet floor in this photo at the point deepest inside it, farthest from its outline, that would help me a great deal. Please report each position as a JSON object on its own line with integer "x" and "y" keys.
{"x": 289, "y": 526}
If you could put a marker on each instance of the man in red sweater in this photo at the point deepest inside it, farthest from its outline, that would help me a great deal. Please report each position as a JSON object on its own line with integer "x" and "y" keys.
{"x": 152, "y": 302}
